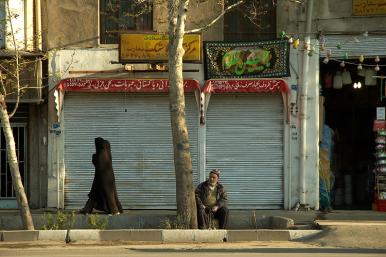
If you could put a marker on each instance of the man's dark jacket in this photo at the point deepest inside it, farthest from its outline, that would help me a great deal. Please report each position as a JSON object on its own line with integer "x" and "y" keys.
{"x": 202, "y": 192}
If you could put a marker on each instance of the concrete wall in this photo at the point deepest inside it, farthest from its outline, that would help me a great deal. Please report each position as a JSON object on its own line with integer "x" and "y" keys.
{"x": 75, "y": 23}
{"x": 71, "y": 35}
{"x": 64, "y": 62}
{"x": 199, "y": 14}
{"x": 76, "y": 61}
{"x": 329, "y": 16}
{"x": 70, "y": 23}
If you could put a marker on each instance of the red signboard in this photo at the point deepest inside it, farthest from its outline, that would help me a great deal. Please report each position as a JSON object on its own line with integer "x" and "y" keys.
{"x": 123, "y": 85}
{"x": 246, "y": 86}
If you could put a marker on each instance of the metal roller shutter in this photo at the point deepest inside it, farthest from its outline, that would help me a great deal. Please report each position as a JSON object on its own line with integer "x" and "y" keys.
{"x": 244, "y": 139}
{"x": 138, "y": 128}
{"x": 354, "y": 46}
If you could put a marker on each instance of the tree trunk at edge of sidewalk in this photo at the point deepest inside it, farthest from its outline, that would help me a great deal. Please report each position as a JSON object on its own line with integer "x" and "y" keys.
{"x": 186, "y": 204}
{"x": 14, "y": 167}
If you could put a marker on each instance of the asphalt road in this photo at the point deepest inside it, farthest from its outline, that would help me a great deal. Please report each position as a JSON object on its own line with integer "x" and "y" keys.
{"x": 282, "y": 249}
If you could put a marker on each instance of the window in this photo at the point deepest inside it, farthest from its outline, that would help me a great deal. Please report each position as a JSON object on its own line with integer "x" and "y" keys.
{"x": 117, "y": 16}
{"x": 255, "y": 20}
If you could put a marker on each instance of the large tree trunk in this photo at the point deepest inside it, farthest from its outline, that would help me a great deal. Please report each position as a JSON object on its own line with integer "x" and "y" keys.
{"x": 186, "y": 207}
{"x": 14, "y": 167}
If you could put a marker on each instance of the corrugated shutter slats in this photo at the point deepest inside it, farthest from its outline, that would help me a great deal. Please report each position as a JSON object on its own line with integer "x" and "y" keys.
{"x": 245, "y": 140}
{"x": 138, "y": 128}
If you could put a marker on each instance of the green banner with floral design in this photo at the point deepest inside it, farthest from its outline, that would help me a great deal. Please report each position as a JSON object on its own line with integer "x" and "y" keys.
{"x": 265, "y": 59}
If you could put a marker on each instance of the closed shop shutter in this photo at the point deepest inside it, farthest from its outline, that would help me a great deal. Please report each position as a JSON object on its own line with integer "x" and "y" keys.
{"x": 138, "y": 128}
{"x": 244, "y": 139}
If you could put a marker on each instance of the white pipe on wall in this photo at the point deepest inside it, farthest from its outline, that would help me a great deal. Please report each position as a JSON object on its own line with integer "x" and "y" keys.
{"x": 29, "y": 25}
{"x": 38, "y": 27}
{"x": 303, "y": 114}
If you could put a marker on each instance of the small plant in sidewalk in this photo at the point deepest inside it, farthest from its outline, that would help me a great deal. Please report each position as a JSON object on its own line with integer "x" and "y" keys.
{"x": 173, "y": 223}
{"x": 59, "y": 221}
{"x": 253, "y": 221}
{"x": 96, "y": 222}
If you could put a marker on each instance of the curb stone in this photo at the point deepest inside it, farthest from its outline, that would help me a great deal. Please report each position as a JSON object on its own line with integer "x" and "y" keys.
{"x": 149, "y": 235}
{"x": 20, "y": 235}
{"x": 52, "y": 235}
{"x": 194, "y": 235}
{"x": 157, "y": 235}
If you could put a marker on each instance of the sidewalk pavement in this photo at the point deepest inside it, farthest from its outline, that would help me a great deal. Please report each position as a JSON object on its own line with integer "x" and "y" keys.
{"x": 239, "y": 219}
{"x": 346, "y": 229}
{"x": 350, "y": 233}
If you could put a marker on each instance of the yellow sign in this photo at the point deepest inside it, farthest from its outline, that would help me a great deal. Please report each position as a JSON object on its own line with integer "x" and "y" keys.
{"x": 368, "y": 7}
{"x": 154, "y": 47}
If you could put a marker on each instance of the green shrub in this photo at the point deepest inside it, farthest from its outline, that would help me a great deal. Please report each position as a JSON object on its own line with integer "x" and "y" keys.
{"x": 95, "y": 222}
{"x": 59, "y": 221}
{"x": 178, "y": 222}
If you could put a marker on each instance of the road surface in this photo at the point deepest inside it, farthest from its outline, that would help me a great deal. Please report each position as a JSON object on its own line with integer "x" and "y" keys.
{"x": 255, "y": 249}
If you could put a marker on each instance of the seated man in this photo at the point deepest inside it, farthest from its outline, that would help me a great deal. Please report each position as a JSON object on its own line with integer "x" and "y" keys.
{"x": 211, "y": 200}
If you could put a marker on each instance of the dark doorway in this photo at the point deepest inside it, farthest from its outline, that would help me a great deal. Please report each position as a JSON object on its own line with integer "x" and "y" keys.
{"x": 350, "y": 113}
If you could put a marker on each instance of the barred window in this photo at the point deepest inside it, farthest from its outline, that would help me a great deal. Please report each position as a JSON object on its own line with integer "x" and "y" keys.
{"x": 118, "y": 16}
{"x": 254, "y": 20}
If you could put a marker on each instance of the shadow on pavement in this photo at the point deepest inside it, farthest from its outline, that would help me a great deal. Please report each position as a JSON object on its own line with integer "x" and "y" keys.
{"x": 265, "y": 250}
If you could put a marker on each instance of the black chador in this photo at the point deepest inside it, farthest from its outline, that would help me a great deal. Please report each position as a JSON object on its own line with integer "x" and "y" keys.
{"x": 103, "y": 195}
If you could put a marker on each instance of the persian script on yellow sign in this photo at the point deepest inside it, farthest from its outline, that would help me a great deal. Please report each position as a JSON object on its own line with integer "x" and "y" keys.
{"x": 368, "y": 7}
{"x": 154, "y": 47}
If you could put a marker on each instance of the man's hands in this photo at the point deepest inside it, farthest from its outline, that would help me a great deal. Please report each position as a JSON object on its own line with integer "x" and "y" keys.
{"x": 214, "y": 208}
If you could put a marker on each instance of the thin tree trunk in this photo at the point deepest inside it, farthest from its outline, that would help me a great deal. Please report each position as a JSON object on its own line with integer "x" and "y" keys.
{"x": 186, "y": 207}
{"x": 14, "y": 167}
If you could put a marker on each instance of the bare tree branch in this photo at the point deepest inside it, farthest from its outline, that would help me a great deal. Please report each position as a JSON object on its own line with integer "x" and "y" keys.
{"x": 2, "y": 84}
{"x": 217, "y": 18}
{"x": 17, "y": 56}
{"x": 7, "y": 70}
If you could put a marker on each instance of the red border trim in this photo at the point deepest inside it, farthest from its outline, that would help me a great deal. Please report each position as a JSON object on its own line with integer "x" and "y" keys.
{"x": 123, "y": 85}
{"x": 246, "y": 86}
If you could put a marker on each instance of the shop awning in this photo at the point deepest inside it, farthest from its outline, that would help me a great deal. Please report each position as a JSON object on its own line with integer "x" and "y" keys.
{"x": 142, "y": 85}
{"x": 246, "y": 86}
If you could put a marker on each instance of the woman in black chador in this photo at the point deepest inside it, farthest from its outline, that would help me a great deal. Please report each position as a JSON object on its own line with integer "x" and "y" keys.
{"x": 103, "y": 195}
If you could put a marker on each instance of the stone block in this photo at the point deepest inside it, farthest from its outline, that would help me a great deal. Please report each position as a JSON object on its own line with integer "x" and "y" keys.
{"x": 84, "y": 235}
{"x": 52, "y": 235}
{"x": 242, "y": 235}
{"x": 304, "y": 234}
{"x": 20, "y": 235}
{"x": 151, "y": 235}
{"x": 193, "y": 235}
{"x": 273, "y": 235}
{"x": 278, "y": 222}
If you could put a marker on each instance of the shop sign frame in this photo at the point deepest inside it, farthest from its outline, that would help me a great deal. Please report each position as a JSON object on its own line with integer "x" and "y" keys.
{"x": 263, "y": 59}
{"x": 368, "y": 7}
{"x": 153, "y": 48}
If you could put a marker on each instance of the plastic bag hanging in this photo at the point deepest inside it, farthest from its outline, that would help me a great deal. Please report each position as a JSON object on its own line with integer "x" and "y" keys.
{"x": 338, "y": 82}
{"x": 346, "y": 78}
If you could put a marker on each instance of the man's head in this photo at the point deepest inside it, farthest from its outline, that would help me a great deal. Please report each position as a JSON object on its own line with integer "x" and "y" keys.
{"x": 214, "y": 175}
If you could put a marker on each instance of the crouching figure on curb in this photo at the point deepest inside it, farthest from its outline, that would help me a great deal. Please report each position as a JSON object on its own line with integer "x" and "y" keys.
{"x": 103, "y": 194}
{"x": 211, "y": 200}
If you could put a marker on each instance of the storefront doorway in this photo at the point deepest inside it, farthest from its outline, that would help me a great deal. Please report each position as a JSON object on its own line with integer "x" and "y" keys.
{"x": 349, "y": 113}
